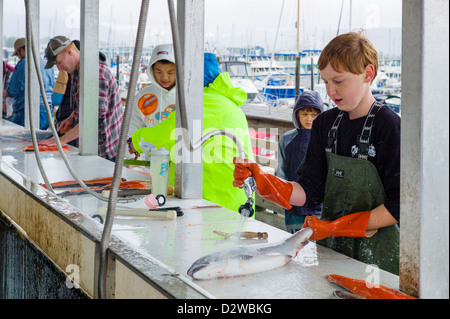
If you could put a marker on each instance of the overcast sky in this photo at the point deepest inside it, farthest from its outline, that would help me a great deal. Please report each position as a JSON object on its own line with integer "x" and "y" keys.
{"x": 227, "y": 22}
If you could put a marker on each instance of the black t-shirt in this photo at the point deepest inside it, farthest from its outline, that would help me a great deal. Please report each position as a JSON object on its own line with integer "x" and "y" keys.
{"x": 385, "y": 138}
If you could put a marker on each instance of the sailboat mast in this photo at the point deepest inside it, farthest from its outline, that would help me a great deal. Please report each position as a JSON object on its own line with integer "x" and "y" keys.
{"x": 350, "y": 18}
{"x": 297, "y": 57}
{"x": 297, "y": 23}
{"x": 340, "y": 16}
{"x": 276, "y": 38}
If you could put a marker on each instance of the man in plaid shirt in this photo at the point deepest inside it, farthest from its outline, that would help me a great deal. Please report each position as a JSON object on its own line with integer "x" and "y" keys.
{"x": 66, "y": 55}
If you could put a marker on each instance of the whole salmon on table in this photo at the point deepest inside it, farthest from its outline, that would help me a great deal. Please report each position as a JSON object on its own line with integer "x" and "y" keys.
{"x": 243, "y": 261}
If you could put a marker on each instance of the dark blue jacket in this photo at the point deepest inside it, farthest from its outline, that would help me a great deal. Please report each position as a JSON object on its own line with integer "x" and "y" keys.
{"x": 293, "y": 145}
{"x": 16, "y": 87}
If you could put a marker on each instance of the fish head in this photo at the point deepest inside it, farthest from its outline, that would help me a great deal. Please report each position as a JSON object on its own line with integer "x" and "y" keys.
{"x": 217, "y": 265}
{"x": 198, "y": 265}
{"x": 208, "y": 267}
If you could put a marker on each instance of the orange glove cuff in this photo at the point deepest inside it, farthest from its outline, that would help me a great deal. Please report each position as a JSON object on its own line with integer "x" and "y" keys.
{"x": 274, "y": 189}
{"x": 268, "y": 186}
{"x": 352, "y": 225}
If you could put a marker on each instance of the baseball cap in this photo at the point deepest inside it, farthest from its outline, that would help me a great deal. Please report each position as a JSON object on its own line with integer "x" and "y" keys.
{"x": 55, "y": 46}
{"x": 18, "y": 44}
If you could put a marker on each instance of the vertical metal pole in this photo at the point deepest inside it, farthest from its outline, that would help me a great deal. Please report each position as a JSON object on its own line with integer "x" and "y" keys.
{"x": 424, "y": 201}
{"x": 118, "y": 70}
{"x": 35, "y": 91}
{"x": 350, "y": 17}
{"x": 297, "y": 54}
{"x": 89, "y": 48}
{"x": 189, "y": 172}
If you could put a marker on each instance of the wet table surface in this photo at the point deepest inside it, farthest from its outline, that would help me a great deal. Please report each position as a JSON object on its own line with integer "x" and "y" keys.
{"x": 176, "y": 244}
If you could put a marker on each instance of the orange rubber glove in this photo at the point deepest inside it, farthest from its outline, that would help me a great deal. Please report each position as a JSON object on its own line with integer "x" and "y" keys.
{"x": 352, "y": 225}
{"x": 268, "y": 186}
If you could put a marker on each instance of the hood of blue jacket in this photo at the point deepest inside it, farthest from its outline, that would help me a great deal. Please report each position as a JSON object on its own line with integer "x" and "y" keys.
{"x": 306, "y": 99}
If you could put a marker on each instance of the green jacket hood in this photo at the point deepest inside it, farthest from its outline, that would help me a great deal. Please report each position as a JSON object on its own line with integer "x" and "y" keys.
{"x": 224, "y": 86}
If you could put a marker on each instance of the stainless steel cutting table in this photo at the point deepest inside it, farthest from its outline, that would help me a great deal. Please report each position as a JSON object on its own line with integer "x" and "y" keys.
{"x": 149, "y": 256}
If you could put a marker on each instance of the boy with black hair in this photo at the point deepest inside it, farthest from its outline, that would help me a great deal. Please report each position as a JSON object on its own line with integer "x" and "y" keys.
{"x": 154, "y": 103}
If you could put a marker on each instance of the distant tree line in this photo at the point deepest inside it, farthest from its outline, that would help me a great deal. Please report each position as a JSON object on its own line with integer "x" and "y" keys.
{"x": 9, "y": 41}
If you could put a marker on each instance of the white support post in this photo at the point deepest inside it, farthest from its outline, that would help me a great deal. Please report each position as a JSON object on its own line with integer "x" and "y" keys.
{"x": 89, "y": 48}
{"x": 35, "y": 90}
{"x": 424, "y": 202}
{"x": 188, "y": 173}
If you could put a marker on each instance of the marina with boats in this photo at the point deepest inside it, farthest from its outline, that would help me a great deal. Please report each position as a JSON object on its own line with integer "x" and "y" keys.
{"x": 269, "y": 79}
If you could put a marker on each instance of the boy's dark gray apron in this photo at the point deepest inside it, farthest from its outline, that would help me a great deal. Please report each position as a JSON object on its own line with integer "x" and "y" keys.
{"x": 353, "y": 185}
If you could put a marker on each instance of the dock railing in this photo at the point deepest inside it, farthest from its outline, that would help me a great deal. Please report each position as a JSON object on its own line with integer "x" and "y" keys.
{"x": 268, "y": 147}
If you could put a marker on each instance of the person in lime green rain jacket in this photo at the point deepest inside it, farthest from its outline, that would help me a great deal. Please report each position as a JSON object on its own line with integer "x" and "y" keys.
{"x": 221, "y": 110}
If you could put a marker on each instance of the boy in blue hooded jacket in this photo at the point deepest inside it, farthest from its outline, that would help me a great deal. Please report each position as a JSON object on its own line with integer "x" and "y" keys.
{"x": 292, "y": 150}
